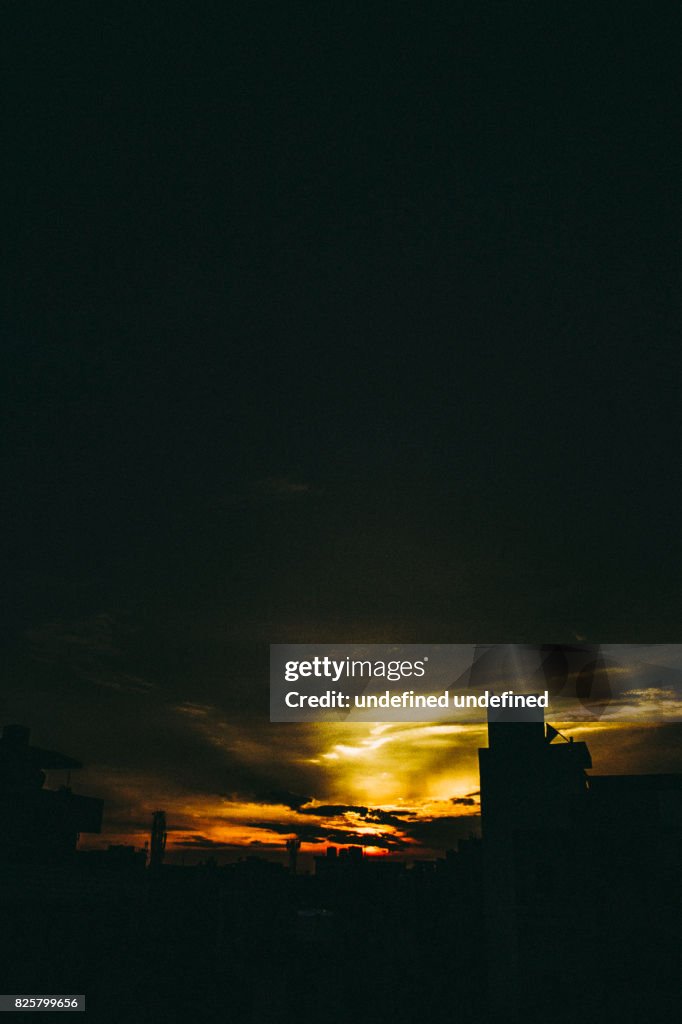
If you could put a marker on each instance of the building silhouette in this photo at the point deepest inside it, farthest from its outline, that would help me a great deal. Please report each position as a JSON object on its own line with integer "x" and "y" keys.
{"x": 39, "y": 825}
{"x": 573, "y": 865}
{"x": 159, "y": 835}
{"x": 567, "y": 907}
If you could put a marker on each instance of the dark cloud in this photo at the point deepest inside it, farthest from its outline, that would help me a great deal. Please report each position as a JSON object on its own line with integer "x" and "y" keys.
{"x": 464, "y": 801}
{"x": 292, "y": 800}
{"x": 443, "y": 833}
{"x": 199, "y": 842}
{"x": 318, "y": 834}
{"x": 433, "y": 833}
{"x": 333, "y": 810}
{"x": 94, "y": 650}
{"x": 380, "y": 817}
{"x": 370, "y": 814}
{"x": 271, "y": 489}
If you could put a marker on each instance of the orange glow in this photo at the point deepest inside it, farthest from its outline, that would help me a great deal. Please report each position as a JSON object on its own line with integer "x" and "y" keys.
{"x": 393, "y": 782}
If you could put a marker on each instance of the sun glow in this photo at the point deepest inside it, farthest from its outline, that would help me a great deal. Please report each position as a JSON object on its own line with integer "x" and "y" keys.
{"x": 379, "y": 785}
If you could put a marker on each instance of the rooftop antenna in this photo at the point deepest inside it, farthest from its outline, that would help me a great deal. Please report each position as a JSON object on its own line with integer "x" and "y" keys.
{"x": 551, "y": 734}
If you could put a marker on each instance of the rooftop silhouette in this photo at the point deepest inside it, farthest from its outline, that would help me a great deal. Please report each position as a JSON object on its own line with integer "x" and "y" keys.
{"x": 37, "y": 824}
{"x": 570, "y": 864}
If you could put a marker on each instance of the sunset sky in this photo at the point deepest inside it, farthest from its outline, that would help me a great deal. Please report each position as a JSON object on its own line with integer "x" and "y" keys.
{"x": 233, "y": 784}
{"x": 319, "y": 338}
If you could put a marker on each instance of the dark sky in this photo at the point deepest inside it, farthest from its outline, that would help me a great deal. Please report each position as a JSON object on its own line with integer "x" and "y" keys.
{"x": 336, "y": 322}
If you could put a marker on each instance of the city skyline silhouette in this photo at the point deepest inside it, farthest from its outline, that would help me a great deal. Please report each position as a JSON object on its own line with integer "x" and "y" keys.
{"x": 539, "y": 891}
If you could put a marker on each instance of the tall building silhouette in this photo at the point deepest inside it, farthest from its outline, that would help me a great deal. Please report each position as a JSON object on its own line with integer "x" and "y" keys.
{"x": 573, "y": 864}
{"x": 158, "y": 839}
